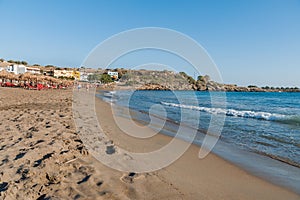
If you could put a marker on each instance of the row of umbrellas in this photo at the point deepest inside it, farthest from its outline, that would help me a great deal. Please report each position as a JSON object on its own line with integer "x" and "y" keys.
{"x": 32, "y": 78}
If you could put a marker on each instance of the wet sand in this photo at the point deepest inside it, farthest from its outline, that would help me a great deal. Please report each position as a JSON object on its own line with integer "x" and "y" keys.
{"x": 42, "y": 156}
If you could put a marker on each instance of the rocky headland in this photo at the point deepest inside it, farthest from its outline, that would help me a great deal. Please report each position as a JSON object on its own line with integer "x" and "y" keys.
{"x": 169, "y": 80}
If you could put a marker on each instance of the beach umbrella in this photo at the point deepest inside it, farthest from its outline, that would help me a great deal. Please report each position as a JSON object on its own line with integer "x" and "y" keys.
{"x": 33, "y": 77}
{"x": 48, "y": 78}
{"x": 12, "y": 76}
{"x": 25, "y": 76}
{"x": 54, "y": 80}
{"x": 40, "y": 78}
{"x": 4, "y": 75}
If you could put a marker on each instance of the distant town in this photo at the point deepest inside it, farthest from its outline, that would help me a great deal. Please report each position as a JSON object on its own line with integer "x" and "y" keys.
{"x": 77, "y": 74}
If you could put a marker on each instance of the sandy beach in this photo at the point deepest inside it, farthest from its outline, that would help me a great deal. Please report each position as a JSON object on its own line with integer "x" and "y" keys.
{"x": 43, "y": 157}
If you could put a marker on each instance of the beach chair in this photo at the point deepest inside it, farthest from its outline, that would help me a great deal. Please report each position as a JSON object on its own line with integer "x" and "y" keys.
{"x": 40, "y": 87}
{"x": 28, "y": 86}
{"x": 9, "y": 84}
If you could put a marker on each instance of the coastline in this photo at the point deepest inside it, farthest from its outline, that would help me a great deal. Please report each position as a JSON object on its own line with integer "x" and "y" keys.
{"x": 269, "y": 168}
{"x": 212, "y": 177}
{"x": 220, "y": 88}
{"x": 42, "y": 156}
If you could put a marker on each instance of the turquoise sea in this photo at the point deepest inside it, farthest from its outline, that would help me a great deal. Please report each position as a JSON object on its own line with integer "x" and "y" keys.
{"x": 261, "y": 131}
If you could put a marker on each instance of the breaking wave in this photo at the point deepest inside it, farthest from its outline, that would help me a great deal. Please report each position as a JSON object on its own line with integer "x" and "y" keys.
{"x": 241, "y": 113}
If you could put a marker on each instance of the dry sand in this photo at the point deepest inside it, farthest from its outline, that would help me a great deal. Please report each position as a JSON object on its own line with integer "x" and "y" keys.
{"x": 42, "y": 156}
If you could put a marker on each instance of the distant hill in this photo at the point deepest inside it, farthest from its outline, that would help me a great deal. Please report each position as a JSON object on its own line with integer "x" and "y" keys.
{"x": 150, "y": 79}
{"x": 169, "y": 80}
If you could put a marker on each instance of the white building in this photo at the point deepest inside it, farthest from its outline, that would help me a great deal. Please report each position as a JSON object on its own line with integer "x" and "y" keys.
{"x": 16, "y": 69}
{"x": 84, "y": 76}
{"x": 21, "y": 69}
{"x": 33, "y": 70}
{"x": 114, "y": 75}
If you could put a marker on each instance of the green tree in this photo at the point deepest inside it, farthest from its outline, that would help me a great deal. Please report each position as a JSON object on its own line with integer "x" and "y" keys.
{"x": 105, "y": 78}
{"x": 1, "y": 59}
{"x": 90, "y": 77}
{"x": 94, "y": 77}
{"x": 252, "y": 86}
{"x": 199, "y": 78}
{"x": 205, "y": 78}
{"x": 183, "y": 74}
{"x": 24, "y": 62}
{"x": 189, "y": 78}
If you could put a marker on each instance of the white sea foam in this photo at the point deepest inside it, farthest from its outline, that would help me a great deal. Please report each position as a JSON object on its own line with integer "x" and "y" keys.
{"x": 232, "y": 112}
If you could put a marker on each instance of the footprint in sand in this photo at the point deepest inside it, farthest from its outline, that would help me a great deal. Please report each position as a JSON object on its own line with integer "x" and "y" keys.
{"x": 78, "y": 196}
{"x": 43, "y": 197}
{"x": 48, "y": 125}
{"x": 23, "y": 172}
{"x": 28, "y": 135}
{"x": 39, "y": 119}
{"x": 99, "y": 183}
{"x": 5, "y": 160}
{"x": 3, "y": 186}
{"x": 110, "y": 150}
{"x": 20, "y": 155}
{"x": 2, "y": 147}
{"x": 18, "y": 127}
{"x": 39, "y": 161}
{"x": 85, "y": 179}
{"x": 129, "y": 178}
{"x": 102, "y": 193}
{"x": 52, "y": 178}
{"x": 63, "y": 152}
{"x": 33, "y": 129}
{"x": 82, "y": 150}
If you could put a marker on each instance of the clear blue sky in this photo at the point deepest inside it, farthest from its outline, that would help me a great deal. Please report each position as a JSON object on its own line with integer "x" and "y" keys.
{"x": 252, "y": 42}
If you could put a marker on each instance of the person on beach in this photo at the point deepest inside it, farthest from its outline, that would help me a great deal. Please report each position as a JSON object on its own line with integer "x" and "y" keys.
{"x": 87, "y": 87}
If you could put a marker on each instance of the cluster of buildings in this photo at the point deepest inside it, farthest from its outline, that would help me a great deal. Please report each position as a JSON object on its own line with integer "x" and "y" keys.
{"x": 51, "y": 71}
{"x": 81, "y": 74}
{"x": 20, "y": 69}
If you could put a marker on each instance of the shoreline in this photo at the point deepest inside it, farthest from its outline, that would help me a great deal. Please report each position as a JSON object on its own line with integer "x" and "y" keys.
{"x": 238, "y": 157}
{"x": 203, "y": 131}
{"x": 42, "y": 156}
{"x": 190, "y": 158}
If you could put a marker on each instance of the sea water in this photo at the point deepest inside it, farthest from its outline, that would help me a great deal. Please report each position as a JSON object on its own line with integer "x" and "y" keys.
{"x": 264, "y": 126}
